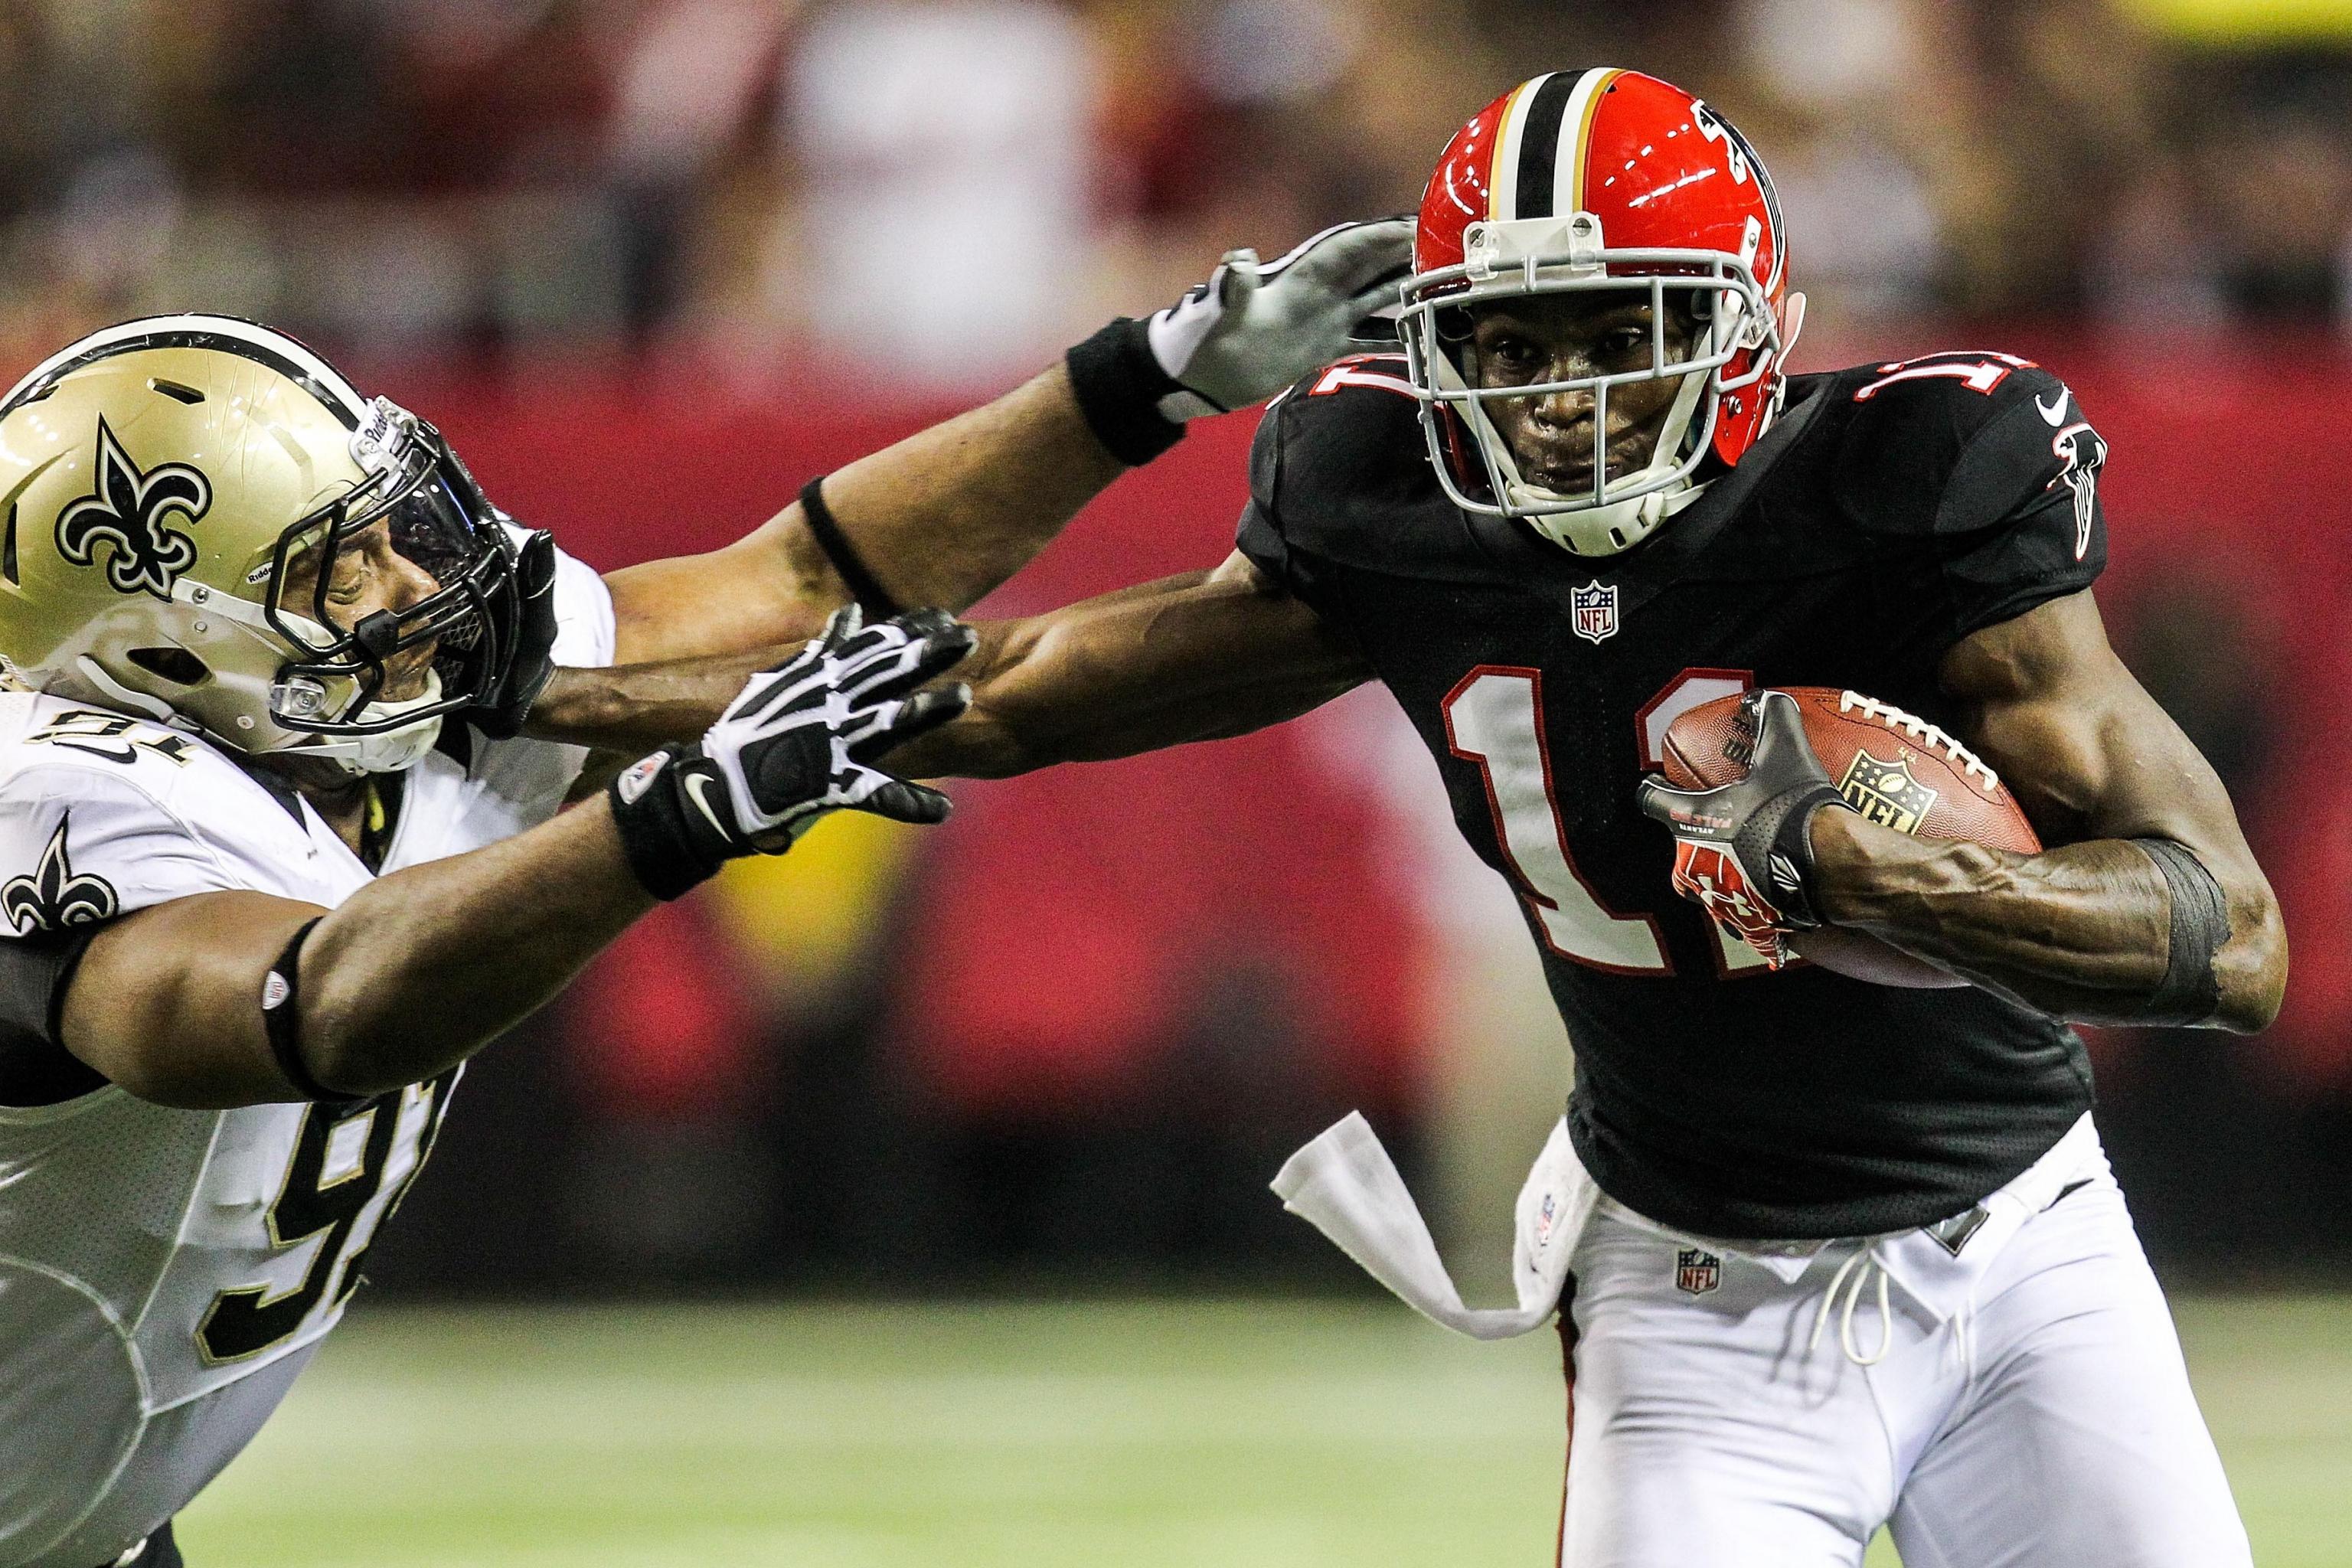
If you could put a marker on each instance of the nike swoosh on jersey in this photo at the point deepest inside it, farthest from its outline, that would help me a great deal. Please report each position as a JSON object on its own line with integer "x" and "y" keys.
{"x": 2052, "y": 414}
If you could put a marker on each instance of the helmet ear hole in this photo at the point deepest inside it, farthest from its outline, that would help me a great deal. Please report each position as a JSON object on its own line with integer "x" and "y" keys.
{"x": 176, "y": 665}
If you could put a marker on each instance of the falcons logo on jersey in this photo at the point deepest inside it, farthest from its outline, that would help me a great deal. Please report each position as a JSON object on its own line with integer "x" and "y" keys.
{"x": 127, "y": 511}
{"x": 54, "y": 899}
{"x": 2078, "y": 448}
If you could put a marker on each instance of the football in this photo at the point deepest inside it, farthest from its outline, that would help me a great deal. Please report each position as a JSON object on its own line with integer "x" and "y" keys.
{"x": 1897, "y": 770}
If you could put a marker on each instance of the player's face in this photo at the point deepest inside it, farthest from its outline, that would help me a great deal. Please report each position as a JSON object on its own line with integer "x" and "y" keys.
{"x": 1568, "y": 337}
{"x": 368, "y": 576}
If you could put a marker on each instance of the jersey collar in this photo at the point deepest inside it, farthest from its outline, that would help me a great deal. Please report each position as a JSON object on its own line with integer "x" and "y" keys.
{"x": 1649, "y": 568}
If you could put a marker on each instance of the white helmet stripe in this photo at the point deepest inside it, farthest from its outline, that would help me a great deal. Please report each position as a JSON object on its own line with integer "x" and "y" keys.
{"x": 1575, "y": 131}
{"x": 1504, "y": 206}
{"x": 274, "y": 348}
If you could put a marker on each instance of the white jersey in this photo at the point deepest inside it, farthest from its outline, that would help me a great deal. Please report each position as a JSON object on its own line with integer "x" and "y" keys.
{"x": 164, "y": 1273}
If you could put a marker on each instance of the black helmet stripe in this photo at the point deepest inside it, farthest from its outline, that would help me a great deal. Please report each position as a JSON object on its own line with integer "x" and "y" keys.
{"x": 1771, "y": 201}
{"x": 1540, "y": 148}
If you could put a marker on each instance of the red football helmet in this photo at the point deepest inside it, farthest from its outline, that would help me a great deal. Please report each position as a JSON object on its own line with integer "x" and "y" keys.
{"x": 1591, "y": 179}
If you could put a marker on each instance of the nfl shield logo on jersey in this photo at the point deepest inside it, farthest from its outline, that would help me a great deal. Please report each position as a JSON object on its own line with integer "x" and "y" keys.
{"x": 1697, "y": 1272}
{"x": 1594, "y": 610}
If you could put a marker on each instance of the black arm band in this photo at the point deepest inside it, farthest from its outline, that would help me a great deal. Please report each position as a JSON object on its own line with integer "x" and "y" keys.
{"x": 281, "y": 1020}
{"x": 1118, "y": 385}
{"x": 2191, "y": 995}
{"x": 871, "y": 596}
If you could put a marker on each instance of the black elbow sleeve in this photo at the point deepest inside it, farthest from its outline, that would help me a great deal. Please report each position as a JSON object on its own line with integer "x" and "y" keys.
{"x": 2191, "y": 994}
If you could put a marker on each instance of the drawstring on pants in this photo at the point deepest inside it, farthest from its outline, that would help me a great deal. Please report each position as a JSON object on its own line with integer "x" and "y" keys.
{"x": 1853, "y": 1277}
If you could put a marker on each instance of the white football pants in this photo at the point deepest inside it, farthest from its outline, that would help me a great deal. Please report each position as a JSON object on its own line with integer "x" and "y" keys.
{"x": 2027, "y": 1408}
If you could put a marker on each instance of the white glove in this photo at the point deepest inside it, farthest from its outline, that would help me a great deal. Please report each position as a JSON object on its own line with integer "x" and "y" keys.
{"x": 1256, "y": 326}
{"x": 797, "y": 742}
{"x": 800, "y": 741}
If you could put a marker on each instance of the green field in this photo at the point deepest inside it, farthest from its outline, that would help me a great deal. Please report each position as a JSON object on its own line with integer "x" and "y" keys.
{"x": 1152, "y": 1433}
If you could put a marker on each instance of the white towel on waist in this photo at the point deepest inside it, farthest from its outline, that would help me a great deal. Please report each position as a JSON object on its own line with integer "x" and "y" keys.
{"x": 1345, "y": 1185}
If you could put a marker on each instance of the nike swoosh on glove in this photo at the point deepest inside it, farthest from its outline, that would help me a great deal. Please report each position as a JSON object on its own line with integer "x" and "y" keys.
{"x": 798, "y": 741}
{"x": 1742, "y": 851}
{"x": 1256, "y": 326}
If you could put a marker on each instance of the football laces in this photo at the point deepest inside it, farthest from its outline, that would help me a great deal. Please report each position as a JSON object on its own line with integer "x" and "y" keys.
{"x": 1930, "y": 737}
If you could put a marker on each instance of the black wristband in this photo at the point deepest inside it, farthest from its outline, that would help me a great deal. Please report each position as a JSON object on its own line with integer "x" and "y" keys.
{"x": 657, "y": 829}
{"x": 2190, "y": 993}
{"x": 282, "y": 1022}
{"x": 1118, "y": 385}
{"x": 869, "y": 595}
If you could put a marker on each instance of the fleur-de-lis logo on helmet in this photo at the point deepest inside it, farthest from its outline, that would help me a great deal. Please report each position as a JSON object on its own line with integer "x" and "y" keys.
{"x": 53, "y": 898}
{"x": 127, "y": 511}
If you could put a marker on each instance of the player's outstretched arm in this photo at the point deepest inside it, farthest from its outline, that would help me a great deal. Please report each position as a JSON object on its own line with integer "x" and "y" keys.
{"x": 943, "y": 516}
{"x": 168, "y": 1001}
{"x": 236, "y": 998}
{"x": 1191, "y": 658}
{"x": 2150, "y": 908}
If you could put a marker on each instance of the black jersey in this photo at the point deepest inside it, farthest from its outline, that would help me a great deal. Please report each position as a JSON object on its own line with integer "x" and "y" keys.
{"x": 1892, "y": 511}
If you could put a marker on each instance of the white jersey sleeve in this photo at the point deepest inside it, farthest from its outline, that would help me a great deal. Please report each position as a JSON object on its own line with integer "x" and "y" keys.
{"x": 79, "y": 847}
{"x": 584, "y": 614}
{"x": 102, "y": 814}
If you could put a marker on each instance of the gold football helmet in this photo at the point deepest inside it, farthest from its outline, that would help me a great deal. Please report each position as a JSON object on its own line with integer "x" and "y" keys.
{"x": 165, "y": 485}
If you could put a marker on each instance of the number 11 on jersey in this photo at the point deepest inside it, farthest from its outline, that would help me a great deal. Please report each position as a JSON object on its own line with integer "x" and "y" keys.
{"x": 1495, "y": 718}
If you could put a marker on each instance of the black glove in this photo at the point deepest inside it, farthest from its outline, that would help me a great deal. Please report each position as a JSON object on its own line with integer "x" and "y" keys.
{"x": 1742, "y": 850}
{"x": 500, "y": 712}
{"x": 799, "y": 743}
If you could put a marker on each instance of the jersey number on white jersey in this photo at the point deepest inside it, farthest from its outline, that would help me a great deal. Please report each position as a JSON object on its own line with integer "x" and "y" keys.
{"x": 337, "y": 1168}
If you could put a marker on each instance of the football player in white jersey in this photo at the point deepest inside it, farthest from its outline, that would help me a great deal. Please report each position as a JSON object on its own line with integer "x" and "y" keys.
{"x": 278, "y": 835}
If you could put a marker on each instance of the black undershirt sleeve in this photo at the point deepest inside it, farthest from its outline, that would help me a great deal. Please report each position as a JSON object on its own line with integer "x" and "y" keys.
{"x": 34, "y": 1068}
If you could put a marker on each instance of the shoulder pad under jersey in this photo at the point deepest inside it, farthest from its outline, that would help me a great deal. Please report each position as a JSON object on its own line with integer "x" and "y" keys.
{"x": 1956, "y": 443}
{"x": 101, "y": 813}
{"x": 1340, "y": 470}
{"x": 82, "y": 841}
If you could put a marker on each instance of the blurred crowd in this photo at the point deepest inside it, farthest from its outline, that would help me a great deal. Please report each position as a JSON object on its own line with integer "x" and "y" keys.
{"x": 939, "y": 191}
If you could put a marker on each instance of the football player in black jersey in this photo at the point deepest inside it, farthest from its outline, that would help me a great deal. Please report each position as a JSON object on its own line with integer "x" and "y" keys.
{"x": 1586, "y": 498}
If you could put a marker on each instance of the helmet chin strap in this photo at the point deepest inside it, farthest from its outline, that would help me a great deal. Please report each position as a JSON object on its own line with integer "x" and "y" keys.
{"x": 389, "y": 751}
